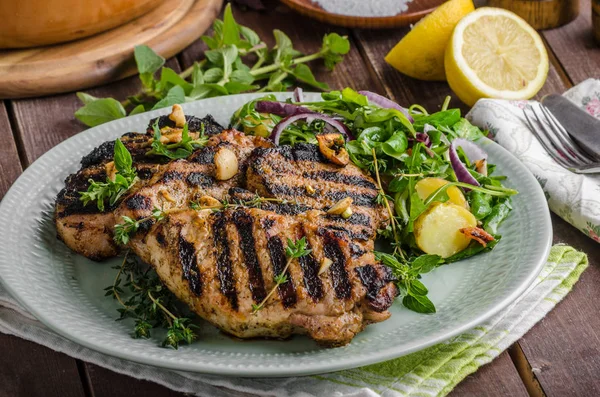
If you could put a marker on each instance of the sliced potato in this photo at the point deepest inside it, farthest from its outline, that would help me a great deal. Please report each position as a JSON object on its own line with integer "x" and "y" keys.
{"x": 426, "y": 187}
{"x": 437, "y": 231}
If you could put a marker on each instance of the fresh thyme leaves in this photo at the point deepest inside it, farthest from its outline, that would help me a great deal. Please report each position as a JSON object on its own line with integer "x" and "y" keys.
{"x": 113, "y": 189}
{"x": 143, "y": 297}
{"x": 124, "y": 231}
{"x": 177, "y": 150}
{"x": 294, "y": 250}
{"x": 237, "y": 60}
{"x": 216, "y": 205}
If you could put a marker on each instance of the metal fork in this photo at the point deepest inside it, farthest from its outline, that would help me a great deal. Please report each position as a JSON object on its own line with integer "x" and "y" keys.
{"x": 557, "y": 142}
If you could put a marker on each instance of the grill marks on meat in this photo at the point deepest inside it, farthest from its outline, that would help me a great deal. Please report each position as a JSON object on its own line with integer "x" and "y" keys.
{"x": 221, "y": 263}
{"x": 179, "y": 182}
{"x": 224, "y": 267}
{"x": 244, "y": 225}
{"x": 339, "y": 275}
{"x": 290, "y": 173}
{"x": 331, "y": 307}
{"x": 189, "y": 264}
{"x": 287, "y": 292}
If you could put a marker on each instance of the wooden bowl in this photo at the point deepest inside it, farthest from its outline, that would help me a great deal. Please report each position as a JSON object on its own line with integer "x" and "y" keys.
{"x": 417, "y": 9}
{"x": 32, "y": 23}
{"x": 541, "y": 14}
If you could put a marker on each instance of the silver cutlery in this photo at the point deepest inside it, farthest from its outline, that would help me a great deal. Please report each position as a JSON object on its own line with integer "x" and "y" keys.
{"x": 557, "y": 142}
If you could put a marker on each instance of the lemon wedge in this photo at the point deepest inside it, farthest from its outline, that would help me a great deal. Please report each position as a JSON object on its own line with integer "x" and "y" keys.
{"x": 420, "y": 54}
{"x": 493, "y": 53}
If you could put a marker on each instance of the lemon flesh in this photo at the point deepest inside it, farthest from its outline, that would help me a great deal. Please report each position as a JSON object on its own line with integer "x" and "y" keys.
{"x": 493, "y": 53}
{"x": 420, "y": 54}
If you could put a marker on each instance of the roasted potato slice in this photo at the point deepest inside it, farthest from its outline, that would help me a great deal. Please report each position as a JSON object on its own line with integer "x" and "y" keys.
{"x": 427, "y": 186}
{"x": 438, "y": 230}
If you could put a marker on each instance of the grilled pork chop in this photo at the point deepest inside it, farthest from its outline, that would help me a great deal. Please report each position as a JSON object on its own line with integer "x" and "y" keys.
{"x": 221, "y": 263}
{"x": 89, "y": 231}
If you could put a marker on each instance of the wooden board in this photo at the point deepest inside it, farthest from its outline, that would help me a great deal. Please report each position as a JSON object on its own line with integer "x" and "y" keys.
{"x": 574, "y": 46}
{"x": 107, "y": 56}
{"x": 417, "y": 9}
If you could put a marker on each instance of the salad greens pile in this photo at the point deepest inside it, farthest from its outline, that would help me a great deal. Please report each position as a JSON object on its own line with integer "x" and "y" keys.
{"x": 237, "y": 60}
{"x": 399, "y": 147}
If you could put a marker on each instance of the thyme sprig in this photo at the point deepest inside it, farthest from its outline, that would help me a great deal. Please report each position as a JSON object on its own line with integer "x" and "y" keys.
{"x": 149, "y": 303}
{"x": 384, "y": 199}
{"x": 294, "y": 250}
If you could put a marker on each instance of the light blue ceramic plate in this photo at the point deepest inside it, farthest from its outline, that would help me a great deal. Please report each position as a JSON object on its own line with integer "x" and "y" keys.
{"x": 65, "y": 291}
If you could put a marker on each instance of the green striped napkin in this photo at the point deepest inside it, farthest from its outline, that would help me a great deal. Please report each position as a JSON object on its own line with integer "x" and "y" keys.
{"x": 434, "y": 371}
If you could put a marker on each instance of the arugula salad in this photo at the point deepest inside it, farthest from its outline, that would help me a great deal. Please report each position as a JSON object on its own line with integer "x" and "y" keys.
{"x": 443, "y": 198}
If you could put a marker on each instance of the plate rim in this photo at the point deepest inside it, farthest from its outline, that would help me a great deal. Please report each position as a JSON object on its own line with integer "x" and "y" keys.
{"x": 326, "y": 367}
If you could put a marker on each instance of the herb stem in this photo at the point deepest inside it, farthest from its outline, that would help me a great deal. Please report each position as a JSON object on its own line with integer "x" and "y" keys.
{"x": 277, "y": 284}
{"x": 278, "y": 65}
{"x": 188, "y": 72}
{"x": 117, "y": 279}
{"x": 164, "y": 309}
{"x": 446, "y": 103}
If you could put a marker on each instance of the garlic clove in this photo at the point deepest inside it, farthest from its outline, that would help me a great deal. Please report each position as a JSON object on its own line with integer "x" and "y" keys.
{"x": 177, "y": 116}
{"x": 341, "y": 206}
{"x": 325, "y": 264}
{"x": 226, "y": 164}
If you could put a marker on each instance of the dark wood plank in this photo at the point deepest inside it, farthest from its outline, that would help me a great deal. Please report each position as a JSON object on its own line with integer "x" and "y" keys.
{"x": 564, "y": 348}
{"x": 498, "y": 378}
{"x": 10, "y": 165}
{"x": 574, "y": 46}
{"x": 307, "y": 36}
{"x": 28, "y": 369}
{"x": 107, "y": 383}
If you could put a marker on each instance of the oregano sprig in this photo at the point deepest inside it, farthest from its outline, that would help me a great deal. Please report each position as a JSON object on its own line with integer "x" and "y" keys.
{"x": 237, "y": 61}
{"x": 112, "y": 189}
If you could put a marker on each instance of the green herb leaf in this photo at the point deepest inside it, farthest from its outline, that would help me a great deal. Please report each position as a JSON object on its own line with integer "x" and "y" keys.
{"x": 137, "y": 110}
{"x": 100, "y": 111}
{"x": 231, "y": 33}
{"x": 419, "y": 304}
{"x": 147, "y": 60}
{"x": 174, "y": 96}
{"x": 122, "y": 158}
{"x": 86, "y": 98}
{"x": 303, "y": 73}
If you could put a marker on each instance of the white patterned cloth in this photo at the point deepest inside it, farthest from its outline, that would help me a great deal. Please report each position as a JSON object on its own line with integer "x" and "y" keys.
{"x": 573, "y": 197}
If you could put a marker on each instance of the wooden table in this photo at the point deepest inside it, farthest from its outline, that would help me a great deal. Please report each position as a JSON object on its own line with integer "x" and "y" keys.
{"x": 560, "y": 356}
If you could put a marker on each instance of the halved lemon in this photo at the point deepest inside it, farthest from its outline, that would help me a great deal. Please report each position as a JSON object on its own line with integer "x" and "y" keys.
{"x": 493, "y": 53}
{"x": 420, "y": 54}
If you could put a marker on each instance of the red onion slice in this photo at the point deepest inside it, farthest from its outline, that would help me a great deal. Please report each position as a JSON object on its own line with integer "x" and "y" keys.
{"x": 385, "y": 103}
{"x": 298, "y": 95}
{"x": 309, "y": 117}
{"x": 281, "y": 108}
{"x": 473, "y": 152}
